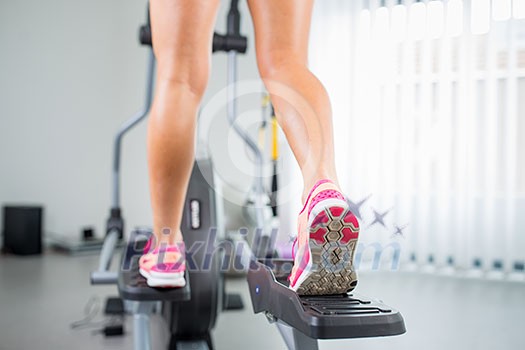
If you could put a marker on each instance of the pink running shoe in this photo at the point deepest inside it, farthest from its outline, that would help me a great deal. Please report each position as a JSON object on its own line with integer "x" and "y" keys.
{"x": 327, "y": 238}
{"x": 163, "y": 266}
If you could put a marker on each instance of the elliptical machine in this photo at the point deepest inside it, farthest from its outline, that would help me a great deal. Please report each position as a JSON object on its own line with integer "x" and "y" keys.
{"x": 191, "y": 311}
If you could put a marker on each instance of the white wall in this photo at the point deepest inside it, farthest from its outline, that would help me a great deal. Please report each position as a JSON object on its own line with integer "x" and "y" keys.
{"x": 70, "y": 73}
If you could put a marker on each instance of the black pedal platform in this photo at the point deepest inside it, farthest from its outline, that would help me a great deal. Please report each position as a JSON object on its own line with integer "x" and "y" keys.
{"x": 132, "y": 285}
{"x": 319, "y": 317}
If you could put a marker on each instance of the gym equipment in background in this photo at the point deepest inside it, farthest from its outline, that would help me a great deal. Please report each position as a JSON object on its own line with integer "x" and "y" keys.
{"x": 267, "y": 196}
{"x": 264, "y": 240}
{"x": 191, "y": 311}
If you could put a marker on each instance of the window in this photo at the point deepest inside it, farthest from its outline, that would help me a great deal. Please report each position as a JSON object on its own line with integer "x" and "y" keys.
{"x": 429, "y": 117}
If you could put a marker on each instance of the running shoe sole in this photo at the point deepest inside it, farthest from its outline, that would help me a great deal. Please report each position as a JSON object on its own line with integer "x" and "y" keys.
{"x": 333, "y": 232}
{"x": 163, "y": 279}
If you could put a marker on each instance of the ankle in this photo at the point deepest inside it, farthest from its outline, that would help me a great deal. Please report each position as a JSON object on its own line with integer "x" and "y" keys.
{"x": 309, "y": 185}
{"x": 168, "y": 236}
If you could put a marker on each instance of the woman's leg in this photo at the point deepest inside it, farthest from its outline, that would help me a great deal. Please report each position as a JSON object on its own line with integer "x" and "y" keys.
{"x": 327, "y": 230}
{"x": 301, "y": 102}
{"x": 182, "y": 32}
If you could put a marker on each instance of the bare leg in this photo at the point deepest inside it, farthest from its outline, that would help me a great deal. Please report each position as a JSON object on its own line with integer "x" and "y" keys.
{"x": 301, "y": 102}
{"x": 325, "y": 227}
{"x": 182, "y": 31}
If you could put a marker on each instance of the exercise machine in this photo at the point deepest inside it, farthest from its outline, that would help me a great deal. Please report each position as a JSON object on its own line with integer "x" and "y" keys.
{"x": 191, "y": 311}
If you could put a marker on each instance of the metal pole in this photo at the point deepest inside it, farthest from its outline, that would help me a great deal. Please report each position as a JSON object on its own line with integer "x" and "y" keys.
{"x": 296, "y": 340}
{"x": 106, "y": 254}
{"x": 141, "y": 334}
{"x": 129, "y": 124}
{"x": 286, "y": 334}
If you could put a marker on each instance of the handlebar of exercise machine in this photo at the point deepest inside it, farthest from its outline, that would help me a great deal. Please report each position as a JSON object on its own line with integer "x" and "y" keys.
{"x": 220, "y": 42}
{"x": 232, "y": 43}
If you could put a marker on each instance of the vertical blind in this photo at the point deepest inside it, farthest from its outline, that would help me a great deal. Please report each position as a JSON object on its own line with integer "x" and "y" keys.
{"x": 429, "y": 119}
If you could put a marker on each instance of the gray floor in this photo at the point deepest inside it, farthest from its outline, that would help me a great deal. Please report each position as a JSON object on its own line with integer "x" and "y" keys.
{"x": 41, "y": 296}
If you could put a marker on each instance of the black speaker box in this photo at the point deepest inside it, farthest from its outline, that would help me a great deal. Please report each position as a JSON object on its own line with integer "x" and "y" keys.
{"x": 22, "y": 230}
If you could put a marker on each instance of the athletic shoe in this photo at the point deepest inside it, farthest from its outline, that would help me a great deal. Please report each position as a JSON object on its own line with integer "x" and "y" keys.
{"x": 327, "y": 238}
{"x": 163, "y": 266}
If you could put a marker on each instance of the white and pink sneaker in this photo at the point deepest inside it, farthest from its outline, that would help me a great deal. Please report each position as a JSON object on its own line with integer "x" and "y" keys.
{"x": 326, "y": 242}
{"x": 163, "y": 266}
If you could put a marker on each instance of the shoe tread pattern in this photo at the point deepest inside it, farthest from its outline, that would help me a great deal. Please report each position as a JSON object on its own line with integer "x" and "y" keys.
{"x": 332, "y": 252}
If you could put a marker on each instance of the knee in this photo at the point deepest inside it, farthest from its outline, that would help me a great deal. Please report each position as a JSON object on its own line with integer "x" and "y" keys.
{"x": 273, "y": 64}
{"x": 188, "y": 74}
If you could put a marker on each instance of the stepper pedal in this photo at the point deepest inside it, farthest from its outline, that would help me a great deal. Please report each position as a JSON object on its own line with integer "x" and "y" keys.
{"x": 319, "y": 317}
{"x": 132, "y": 285}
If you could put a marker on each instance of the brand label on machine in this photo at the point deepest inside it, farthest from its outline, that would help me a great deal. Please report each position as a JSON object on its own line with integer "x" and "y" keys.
{"x": 195, "y": 214}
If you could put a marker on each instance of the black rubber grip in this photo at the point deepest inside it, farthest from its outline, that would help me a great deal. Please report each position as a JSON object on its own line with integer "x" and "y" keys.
{"x": 145, "y": 35}
{"x": 222, "y": 43}
{"x": 227, "y": 43}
